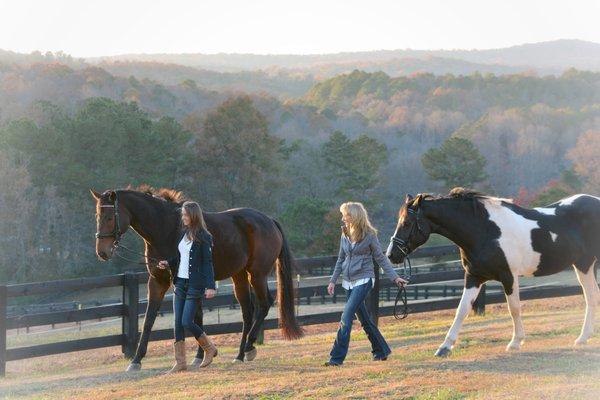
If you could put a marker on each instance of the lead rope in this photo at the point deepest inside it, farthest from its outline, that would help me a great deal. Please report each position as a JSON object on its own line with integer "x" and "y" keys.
{"x": 402, "y": 296}
{"x": 149, "y": 258}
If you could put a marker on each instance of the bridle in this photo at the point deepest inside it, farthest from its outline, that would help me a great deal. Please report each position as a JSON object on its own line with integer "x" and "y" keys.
{"x": 117, "y": 234}
{"x": 403, "y": 246}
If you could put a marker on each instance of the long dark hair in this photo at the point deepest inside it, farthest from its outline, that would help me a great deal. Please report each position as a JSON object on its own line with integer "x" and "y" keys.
{"x": 197, "y": 224}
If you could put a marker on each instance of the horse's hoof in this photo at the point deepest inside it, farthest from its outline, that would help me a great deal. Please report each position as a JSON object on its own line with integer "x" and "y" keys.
{"x": 250, "y": 355}
{"x": 196, "y": 363}
{"x": 443, "y": 352}
{"x": 237, "y": 361}
{"x": 513, "y": 347}
{"x": 580, "y": 341}
{"x": 133, "y": 367}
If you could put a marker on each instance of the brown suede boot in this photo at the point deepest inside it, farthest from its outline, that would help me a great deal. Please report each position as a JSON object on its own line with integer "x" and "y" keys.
{"x": 210, "y": 350}
{"x": 180, "y": 363}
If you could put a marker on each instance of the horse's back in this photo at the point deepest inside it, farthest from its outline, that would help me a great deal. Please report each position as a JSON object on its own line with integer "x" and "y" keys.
{"x": 242, "y": 235}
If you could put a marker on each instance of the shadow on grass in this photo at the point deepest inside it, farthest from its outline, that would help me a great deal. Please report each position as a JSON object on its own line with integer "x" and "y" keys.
{"x": 78, "y": 382}
{"x": 548, "y": 363}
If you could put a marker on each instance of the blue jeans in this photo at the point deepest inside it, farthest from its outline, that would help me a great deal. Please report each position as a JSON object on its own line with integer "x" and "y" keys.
{"x": 356, "y": 305}
{"x": 186, "y": 301}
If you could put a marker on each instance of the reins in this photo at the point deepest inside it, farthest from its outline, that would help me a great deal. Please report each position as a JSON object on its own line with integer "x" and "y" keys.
{"x": 402, "y": 245}
{"x": 401, "y": 296}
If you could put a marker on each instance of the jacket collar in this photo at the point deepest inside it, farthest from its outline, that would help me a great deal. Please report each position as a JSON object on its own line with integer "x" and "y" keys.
{"x": 200, "y": 236}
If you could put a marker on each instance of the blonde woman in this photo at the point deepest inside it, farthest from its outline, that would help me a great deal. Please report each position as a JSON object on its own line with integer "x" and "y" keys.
{"x": 358, "y": 247}
{"x": 192, "y": 267}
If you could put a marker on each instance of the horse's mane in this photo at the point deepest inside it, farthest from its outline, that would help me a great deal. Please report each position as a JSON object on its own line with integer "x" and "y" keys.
{"x": 464, "y": 193}
{"x": 170, "y": 195}
{"x": 460, "y": 193}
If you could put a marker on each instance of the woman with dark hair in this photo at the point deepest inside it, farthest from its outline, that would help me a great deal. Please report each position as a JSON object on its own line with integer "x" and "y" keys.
{"x": 194, "y": 276}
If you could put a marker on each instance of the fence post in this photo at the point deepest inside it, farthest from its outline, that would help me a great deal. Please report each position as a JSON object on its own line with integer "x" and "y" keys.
{"x": 3, "y": 305}
{"x": 131, "y": 298}
{"x": 374, "y": 297}
{"x": 479, "y": 303}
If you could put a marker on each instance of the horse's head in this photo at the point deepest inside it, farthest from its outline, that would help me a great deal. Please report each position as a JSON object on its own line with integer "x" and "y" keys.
{"x": 412, "y": 230}
{"x": 112, "y": 221}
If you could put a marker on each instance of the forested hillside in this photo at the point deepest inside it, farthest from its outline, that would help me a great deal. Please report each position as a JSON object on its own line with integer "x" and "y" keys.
{"x": 364, "y": 136}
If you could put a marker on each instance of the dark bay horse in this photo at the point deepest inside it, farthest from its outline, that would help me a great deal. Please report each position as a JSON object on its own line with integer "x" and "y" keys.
{"x": 247, "y": 244}
{"x": 501, "y": 241}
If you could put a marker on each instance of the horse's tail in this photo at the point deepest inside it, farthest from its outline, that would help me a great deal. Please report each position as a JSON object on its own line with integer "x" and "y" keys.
{"x": 285, "y": 291}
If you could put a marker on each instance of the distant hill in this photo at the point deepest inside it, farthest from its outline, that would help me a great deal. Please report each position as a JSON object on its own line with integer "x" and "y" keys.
{"x": 546, "y": 57}
{"x": 279, "y": 83}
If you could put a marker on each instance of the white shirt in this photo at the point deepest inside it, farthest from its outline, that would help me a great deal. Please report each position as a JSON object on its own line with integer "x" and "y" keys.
{"x": 185, "y": 245}
{"x": 357, "y": 282}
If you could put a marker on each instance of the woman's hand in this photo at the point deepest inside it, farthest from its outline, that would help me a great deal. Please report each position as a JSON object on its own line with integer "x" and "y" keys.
{"x": 163, "y": 264}
{"x": 331, "y": 288}
{"x": 210, "y": 293}
{"x": 400, "y": 282}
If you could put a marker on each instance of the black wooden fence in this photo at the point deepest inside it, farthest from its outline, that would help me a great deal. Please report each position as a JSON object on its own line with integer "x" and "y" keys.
{"x": 131, "y": 307}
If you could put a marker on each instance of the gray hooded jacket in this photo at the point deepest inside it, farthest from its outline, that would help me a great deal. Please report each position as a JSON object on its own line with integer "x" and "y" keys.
{"x": 357, "y": 263}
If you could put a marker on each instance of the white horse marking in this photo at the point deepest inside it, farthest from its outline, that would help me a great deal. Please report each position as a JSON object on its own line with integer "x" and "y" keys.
{"x": 569, "y": 200}
{"x": 515, "y": 238}
{"x": 546, "y": 211}
{"x": 553, "y": 236}
{"x": 464, "y": 307}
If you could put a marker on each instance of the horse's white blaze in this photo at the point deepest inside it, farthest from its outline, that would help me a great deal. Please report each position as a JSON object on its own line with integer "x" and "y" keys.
{"x": 547, "y": 211}
{"x": 388, "y": 252}
{"x": 515, "y": 238}
{"x": 553, "y": 236}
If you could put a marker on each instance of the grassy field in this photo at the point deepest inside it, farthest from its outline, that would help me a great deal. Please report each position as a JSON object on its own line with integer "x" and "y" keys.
{"x": 548, "y": 366}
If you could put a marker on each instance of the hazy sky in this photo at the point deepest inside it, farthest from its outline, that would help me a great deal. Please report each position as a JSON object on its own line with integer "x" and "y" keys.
{"x": 109, "y": 27}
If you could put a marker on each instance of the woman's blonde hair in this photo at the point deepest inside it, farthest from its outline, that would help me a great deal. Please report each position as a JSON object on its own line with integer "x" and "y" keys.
{"x": 197, "y": 223}
{"x": 360, "y": 226}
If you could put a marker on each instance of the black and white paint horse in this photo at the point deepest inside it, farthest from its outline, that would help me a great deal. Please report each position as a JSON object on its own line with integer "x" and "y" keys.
{"x": 501, "y": 241}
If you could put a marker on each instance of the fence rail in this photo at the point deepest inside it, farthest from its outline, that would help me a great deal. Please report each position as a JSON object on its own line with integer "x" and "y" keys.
{"x": 131, "y": 307}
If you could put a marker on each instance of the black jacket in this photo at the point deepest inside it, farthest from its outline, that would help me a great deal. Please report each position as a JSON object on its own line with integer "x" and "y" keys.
{"x": 201, "y": 271}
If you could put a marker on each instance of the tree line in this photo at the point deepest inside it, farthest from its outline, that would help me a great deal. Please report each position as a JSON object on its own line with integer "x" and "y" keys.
{"x": 361, "y": 136}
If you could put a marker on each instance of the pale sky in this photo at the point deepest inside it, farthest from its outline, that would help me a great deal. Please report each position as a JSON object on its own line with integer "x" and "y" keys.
{"x": 85, "y": 28}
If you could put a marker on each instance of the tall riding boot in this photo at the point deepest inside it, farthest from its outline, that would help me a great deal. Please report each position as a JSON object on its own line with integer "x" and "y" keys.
{"x": 180, "y": 363}
{"x": 210, "y": 350}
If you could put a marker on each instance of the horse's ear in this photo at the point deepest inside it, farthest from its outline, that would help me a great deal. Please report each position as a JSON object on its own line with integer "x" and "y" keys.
{"x": 95, "y": 194}
{"x": 408, "y": 199}
{"x": 112, "y": 195}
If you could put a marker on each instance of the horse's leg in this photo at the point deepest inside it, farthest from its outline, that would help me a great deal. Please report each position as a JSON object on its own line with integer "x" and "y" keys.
{"x": 265, "y": 301}
{"x": 156, "y": 293}
{"x": 470, "y": 292}
{"x": 241, "y": 288}
{"x": 199, "y": 319}
{"x": 514, "y": 306}
{"x": 590, "y": 291}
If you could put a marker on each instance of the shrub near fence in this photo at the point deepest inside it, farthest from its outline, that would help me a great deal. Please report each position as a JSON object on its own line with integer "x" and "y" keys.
{"x": 131, "y": 307}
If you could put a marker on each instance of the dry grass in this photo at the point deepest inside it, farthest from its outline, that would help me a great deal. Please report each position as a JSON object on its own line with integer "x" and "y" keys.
{"x": 479, "y": 368}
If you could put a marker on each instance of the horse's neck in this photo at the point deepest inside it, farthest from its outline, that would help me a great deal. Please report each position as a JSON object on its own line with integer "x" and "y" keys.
{"x": 455, "y": 220}
{"x": 151, "y": 220}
